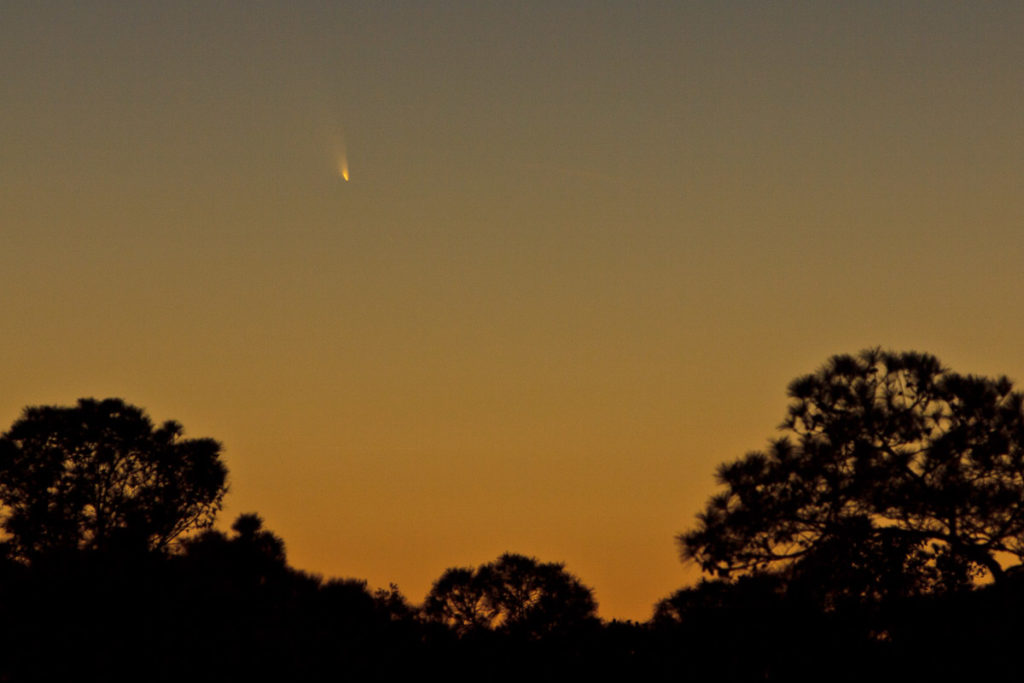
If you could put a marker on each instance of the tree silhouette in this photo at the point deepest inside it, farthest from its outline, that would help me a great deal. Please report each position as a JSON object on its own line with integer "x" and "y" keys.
{"x": 460, "y": 600}
{"x": 251, "y": 556}
{"x": 98, "y": 476}
{"x": 514, "y": 594}
{"x": 894, "y": 476}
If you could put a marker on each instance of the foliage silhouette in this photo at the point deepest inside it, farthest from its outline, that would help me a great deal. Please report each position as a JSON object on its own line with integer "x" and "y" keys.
{"x": 752, "y": 629}
{"x": 877, "y": 445}
{"x": 251, "y": 556}
{"x": 895, "y": 476}
{"x": 515, "y": 595}
{"x": 98, "y": 475}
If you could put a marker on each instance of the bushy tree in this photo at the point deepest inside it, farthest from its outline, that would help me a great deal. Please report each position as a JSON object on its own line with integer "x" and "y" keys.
{"x": 514, "y": 594}
{"x": 98, "y": 475}
{"x": 894, "y": 475}
{"x": 250, "y": 556}
{"x": 459, "y": 599}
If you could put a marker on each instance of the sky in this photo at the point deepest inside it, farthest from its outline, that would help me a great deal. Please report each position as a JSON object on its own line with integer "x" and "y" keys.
{"x": 582, "y": 249}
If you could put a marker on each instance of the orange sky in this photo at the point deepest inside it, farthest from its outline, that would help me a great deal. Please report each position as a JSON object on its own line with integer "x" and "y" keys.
{"x": 582, "y": 250}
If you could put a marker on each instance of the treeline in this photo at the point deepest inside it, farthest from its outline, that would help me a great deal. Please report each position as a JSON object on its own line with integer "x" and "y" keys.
{"x": 227, "y": 607}
{"x": 880, "y": 536}
{"x": 110, "y": 570}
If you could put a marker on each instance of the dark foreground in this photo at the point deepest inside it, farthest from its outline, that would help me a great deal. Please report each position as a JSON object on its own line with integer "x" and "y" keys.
{"x": 207, "y": 618}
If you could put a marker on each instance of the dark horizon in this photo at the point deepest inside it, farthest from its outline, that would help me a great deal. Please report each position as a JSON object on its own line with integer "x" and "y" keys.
{"x": 855, "y": 546}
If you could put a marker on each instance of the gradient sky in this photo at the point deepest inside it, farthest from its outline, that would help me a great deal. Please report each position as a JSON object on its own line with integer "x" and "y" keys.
{"x": 583, "y": 249}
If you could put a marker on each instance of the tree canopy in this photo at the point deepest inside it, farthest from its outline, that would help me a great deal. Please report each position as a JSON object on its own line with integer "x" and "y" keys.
{"x": 893, "y": 474}
{"x": 98, "y": 474}
{"x": 514, "y": 594}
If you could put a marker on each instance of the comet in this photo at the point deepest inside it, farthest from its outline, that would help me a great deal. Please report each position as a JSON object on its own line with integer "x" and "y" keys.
{"x": 343, "y": 167}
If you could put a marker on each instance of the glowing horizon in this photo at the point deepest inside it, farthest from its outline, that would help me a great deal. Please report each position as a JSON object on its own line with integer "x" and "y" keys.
{"x": 586, "y": 250}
